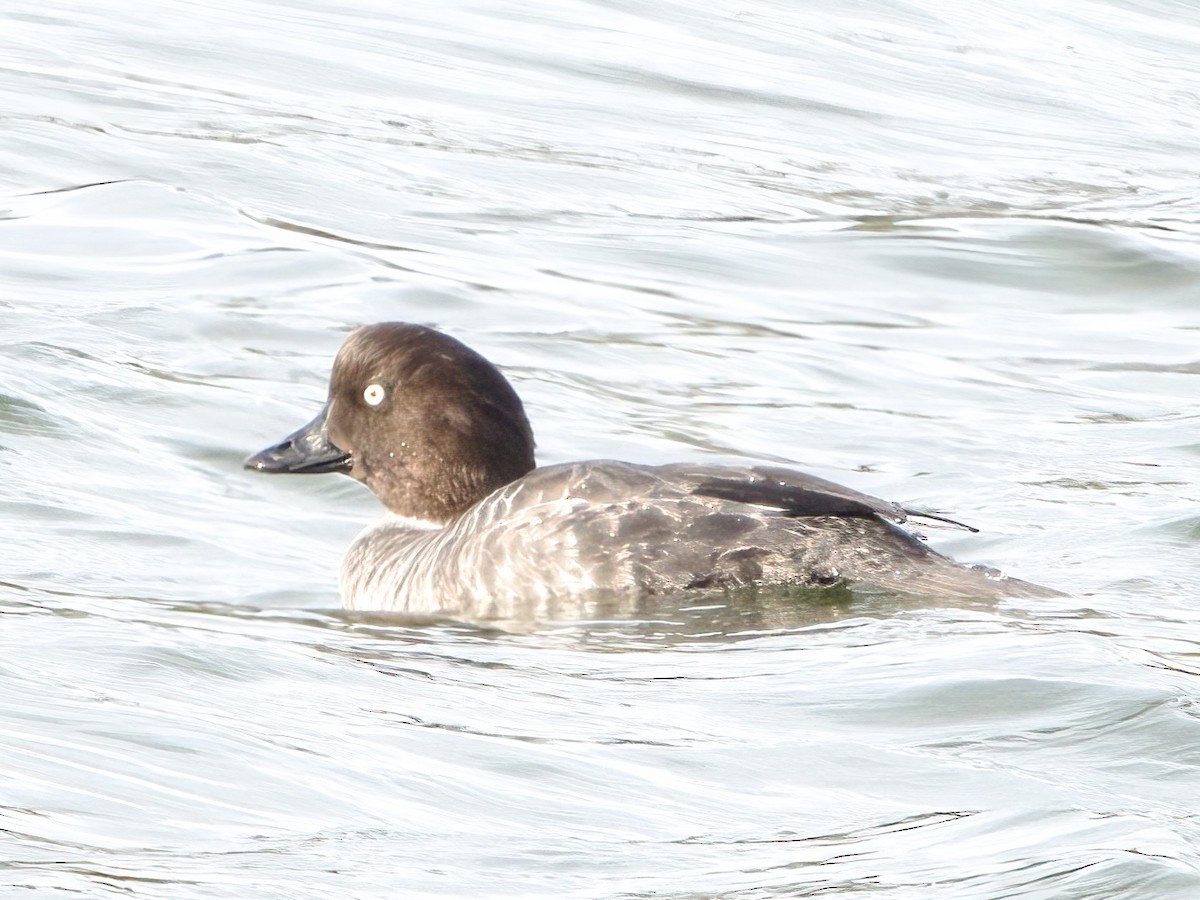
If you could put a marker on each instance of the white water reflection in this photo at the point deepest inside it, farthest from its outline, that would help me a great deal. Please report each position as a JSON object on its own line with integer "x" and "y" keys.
{"x": 944, "y": 253}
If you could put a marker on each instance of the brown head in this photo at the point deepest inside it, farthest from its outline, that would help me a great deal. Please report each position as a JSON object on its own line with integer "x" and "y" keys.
{"x": 421, "y": 419}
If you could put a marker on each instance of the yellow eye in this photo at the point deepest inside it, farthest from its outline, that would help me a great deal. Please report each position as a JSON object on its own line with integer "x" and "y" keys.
{"x": 374, "y": 394}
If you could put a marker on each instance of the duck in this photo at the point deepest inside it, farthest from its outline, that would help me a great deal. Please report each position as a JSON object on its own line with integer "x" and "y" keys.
{"x": 477, "y": 530}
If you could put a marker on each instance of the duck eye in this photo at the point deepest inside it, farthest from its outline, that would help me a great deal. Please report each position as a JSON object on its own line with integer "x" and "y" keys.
{"x": 374, "y": 394}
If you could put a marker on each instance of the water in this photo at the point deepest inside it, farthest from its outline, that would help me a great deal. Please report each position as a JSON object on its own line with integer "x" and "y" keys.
{"x": 945, "y": 253}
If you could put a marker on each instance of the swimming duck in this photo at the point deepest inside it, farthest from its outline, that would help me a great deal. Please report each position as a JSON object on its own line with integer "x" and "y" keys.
{"x": 477, "y": 530}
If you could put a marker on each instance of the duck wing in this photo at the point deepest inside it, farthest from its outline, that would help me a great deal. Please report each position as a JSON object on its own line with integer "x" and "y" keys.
{"x": 798, "y": 494}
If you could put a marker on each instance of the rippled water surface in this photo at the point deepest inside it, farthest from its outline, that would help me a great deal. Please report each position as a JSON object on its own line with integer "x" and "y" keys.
{"x": 947, "y": 253}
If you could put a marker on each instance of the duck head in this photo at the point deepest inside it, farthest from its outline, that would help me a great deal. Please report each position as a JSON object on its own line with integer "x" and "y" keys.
{"x": 421, "y": 419}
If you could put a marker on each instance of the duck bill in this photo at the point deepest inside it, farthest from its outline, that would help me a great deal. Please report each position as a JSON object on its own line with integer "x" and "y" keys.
{"x": 308, "y": 451}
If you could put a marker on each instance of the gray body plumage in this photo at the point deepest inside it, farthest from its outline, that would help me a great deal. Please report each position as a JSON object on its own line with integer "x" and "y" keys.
{"x": 590, "y": 539}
